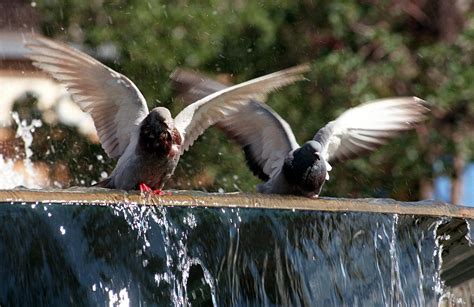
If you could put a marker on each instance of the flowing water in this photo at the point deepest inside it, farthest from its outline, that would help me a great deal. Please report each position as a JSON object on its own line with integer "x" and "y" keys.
{"x": 137, "y": 255}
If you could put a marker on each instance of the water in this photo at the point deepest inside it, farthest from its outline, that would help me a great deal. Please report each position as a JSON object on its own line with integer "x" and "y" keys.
{"x": 19, "y": 170}
{"x": 135, "y": 255}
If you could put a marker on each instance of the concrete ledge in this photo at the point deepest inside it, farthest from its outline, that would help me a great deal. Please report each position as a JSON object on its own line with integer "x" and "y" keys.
{"x": 233, "y": 200}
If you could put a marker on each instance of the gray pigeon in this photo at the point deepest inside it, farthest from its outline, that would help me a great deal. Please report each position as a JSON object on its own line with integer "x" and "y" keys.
{"x": 270, "y": 147}
{"x": 148, "y": 145}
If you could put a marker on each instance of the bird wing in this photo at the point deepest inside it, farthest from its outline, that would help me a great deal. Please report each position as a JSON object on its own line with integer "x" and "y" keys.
{"x": 114, "y": 102}
{"x": 198, "y": 116}
{"x": 263, "y": 135}
{"x": 368, "y": 126}
{"x": 190, "y": 86}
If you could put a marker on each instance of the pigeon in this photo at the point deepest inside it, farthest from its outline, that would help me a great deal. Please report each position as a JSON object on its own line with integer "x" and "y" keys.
{"x": 271, "y": 149}
{"x": 148, "y": 144}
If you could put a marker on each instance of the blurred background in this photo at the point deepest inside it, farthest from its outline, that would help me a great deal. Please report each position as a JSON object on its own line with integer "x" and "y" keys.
{"x": 359, "y": 50}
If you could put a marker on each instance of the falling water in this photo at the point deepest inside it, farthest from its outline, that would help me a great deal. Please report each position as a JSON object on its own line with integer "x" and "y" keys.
{"x": 130, "y": 254}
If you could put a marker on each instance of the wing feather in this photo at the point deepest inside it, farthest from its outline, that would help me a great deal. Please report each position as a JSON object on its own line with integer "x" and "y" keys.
{"x": 115, "y": 103}
{"x": 366, "y": 127}
{"x": 194, "y": 119}
{"x": 264, "y": 136}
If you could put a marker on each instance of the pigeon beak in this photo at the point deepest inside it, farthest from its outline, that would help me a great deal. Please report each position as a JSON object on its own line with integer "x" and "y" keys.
{"x": 174, "y": 151}
{"x": 317, "y": 154}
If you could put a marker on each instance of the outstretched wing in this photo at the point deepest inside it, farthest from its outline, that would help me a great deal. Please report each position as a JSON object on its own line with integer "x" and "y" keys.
{"x": 368, "y": 126}
{"x": 198, "y": 116}
{"x": 114, "y": 102}
{"x": 264, "y": 136}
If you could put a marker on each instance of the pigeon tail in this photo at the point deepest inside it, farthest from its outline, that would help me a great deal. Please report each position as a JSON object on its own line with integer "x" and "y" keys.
{"x": 106, "y": 183}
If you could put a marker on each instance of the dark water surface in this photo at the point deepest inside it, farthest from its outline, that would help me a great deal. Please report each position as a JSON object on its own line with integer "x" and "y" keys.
{"x": 91, "y": 255}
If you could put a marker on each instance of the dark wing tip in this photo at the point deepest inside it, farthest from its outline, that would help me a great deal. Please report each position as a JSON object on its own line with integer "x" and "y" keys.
{"x": 181, "y": 75}
{"x": 423, "y": 103}
{"x": 190, "y": 86}
{"x": 302, "y": 68}
{"x": 253, "y": 164}
{"x": 181, "y": 82}
{"x": 421, "y": 108}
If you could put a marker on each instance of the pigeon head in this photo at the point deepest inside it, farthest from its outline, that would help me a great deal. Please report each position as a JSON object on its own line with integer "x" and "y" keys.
{"x": 305, "y": 156}
{"x": 162, "y": 116}
{"x": 305, "y": 169}
{"x": 156, "y": 132}
{"x": 312, "y": 147}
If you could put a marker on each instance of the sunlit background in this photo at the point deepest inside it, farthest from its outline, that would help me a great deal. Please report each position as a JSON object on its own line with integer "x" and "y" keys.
{"x": 359, "y": 50}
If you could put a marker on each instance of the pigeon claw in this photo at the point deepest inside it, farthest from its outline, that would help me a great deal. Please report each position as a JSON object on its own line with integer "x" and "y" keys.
{"x": 159, "y": 192}
{"x": 144, "y": 188}
{"x": 162, "y": 193}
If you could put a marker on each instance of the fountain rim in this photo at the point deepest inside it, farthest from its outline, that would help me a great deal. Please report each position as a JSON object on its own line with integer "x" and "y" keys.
{"x": 98, "y": 196}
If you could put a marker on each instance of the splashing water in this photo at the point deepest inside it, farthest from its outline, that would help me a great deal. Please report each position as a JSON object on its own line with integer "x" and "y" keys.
{"x": 119, "y": 300}
{"x": 25, "y": 132}
{"x": 18, "y": 171}
{"x": 179, "y": 262}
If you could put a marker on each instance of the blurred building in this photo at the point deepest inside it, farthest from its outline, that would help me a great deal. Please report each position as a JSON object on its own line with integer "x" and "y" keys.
{"x": 19, "y": 79}
{"x": 18, "y": 76}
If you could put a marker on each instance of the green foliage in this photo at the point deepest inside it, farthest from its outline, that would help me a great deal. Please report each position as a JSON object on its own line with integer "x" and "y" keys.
{"x": 359, "y": 51}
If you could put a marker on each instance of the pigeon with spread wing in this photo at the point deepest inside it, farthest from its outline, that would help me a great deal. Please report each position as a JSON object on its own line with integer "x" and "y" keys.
{"x": 271, "y": 149}
{"x": 148, "y": 145}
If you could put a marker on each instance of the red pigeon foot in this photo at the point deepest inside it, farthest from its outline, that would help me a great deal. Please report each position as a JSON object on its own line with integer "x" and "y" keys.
{"x": 162, "y": 193}
{"x": 159, "y": 192}
{"x": 144, "y": 188}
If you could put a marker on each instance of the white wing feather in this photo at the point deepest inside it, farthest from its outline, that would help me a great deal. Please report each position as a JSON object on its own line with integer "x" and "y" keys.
{"x": 368, "y": 126}
{"x": 114, "y": 102}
